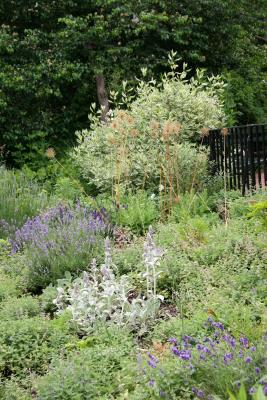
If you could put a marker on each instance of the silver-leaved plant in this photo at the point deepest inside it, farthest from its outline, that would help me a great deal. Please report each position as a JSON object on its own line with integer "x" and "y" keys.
{"x": 99, "y": 296}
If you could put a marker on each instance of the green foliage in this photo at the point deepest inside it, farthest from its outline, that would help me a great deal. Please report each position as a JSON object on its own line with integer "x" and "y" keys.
{"x": 20, "y": 198}
{"x": 11, "y": 390}
{"x": 148, "y": 146}
{"x": 8, "y": 286}
{"x": 242, "y": 394}
{"x": 259, "y": 211}
{"x": 46, "y": 299}
{"x": 19, "y": 308}
{"x": 101, "y": 370}
{"x": 28, "y": 345}
{"x": 190, "y": 205}
{"x": 137, "y": 211}
{"x": 50, "y": 57}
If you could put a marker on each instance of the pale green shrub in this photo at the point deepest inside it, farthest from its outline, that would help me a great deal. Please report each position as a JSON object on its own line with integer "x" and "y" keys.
{"x": 145, "y": 146}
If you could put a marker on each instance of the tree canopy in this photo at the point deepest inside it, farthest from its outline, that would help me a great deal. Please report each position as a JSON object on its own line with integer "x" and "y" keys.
{"x": 52, "y": 51}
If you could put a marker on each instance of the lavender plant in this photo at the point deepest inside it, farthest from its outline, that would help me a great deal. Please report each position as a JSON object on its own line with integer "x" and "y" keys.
{"x": 100, "y": 296}
{"x": 59, "y": 240}
{"x": 207, "y": 367}
{"x": 20, "y": 198}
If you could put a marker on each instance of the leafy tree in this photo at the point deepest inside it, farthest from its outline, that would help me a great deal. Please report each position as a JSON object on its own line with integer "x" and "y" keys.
{"x": 56, "y": 57}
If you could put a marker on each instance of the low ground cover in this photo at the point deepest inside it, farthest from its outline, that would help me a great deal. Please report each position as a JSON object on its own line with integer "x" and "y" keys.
{"x": 176, "y": 311}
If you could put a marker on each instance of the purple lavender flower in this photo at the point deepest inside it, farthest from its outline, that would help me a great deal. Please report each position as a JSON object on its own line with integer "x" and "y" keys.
{"x": 257, "y": 370}
{"x": 229, "y": 340}
{"x": 151, "y": 364}
{"x": 200, "y": 394}
{"x": 175, "y": 350}
{"x": 244, "y": 341}
{"x": 172, "y": 340}
{"x": 265, "y": 390}
{"x": 153, "y": 361}
{"x": 187, "y": 338}
{"x": 248, "y": 360}
{"x": 151, "y": 382}
{"x": 253, "y": 348}
{"x": 227, "y": 358}
{"x": 185, "y": 355}
{"x": 218, "y": 325}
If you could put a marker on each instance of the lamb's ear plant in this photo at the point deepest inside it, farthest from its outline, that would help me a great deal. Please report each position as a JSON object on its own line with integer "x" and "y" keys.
{"x": 101, "y": 297}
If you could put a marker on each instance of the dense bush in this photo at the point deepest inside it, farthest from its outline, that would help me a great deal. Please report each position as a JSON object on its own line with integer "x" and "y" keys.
{"x": 20, "y": 198}
{"x": 102, "y": 370}
{"x": 205, "y": 366}
{"x": 59, "y": 240}
{"x": 19, "y": 308}
{"x": 28, "y": 345}
{"x": 146, "y": 147}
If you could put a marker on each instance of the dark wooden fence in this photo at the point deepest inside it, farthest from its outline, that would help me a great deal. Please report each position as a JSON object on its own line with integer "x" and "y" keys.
{"x": 240, "y": 151}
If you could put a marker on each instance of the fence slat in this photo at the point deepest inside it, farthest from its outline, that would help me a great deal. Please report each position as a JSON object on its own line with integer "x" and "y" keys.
{"x": 228, "y": 143}
{"x": 242, "y": 160}
{"x": 246, "y": 159}
{"x": 264, "y": 145}
{"x": 258, "y": 156}
{"x": 233, "y": 157}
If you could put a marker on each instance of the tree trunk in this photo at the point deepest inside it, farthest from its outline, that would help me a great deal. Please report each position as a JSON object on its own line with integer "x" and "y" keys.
{"x": 102, "y": 96}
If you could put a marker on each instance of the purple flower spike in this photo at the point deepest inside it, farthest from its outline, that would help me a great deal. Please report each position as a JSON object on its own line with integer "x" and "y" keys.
{"x": 257, "y": 370}
{"x": 253, "y": 348}
{"x": 185, "y": 355}
{"x": 172, "y": 340}
{"x": 248, "y": 360}
{"x": 175, "y": 351}
{"x": 244, "y": 341}
{"x": 265, "y": 390}
{"x": 151, "y": 382}
{"x": 218, "y": 325}
{"x": 227, "y": 357}
{"x": 252, "y": 390}
{"x": 200, "y": 394}
{"x": 153, "y": 358}
{"x": 152, "y": 364}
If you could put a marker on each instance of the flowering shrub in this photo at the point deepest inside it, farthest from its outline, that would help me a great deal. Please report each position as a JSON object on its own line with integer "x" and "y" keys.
{"x": 144, "y": 147}
{"x": 61, "y": 239}
{"x": 101, "y": 297}
{"x": 207, "y": 366}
